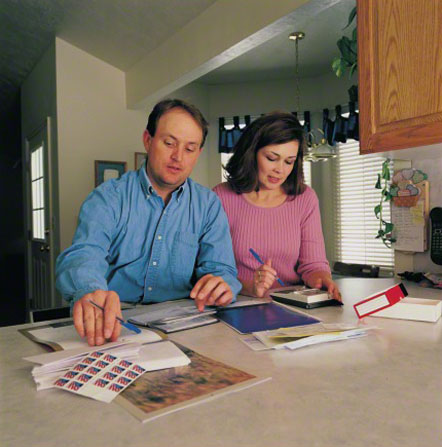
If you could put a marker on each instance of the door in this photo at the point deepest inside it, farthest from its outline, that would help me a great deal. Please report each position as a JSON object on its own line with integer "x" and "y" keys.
{"x": 40, "y": 221}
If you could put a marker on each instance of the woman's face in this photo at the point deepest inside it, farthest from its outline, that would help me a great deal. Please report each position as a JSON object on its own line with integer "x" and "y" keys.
{"x": 275, "y": 163}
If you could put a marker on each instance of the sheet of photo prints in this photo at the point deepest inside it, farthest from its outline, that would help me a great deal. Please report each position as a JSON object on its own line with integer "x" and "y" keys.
{"x": 100, "y": 376}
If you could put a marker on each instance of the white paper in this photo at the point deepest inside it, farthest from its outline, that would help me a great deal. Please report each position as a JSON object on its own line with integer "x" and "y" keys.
{"x": 161, "y": 355}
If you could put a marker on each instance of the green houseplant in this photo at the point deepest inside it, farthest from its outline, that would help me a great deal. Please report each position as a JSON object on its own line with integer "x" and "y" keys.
{"x": 385, "y": 228}
{"x": 348, "y": 60}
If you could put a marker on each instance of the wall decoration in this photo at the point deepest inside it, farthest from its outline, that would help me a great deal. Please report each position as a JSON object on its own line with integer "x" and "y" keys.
{"x": 105, "y": 170}
{"x": 139, "y": 158}
{"x": 410, "y": 210}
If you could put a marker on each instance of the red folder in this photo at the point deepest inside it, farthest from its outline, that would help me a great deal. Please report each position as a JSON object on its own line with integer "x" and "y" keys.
{"x": 381, "y": 300}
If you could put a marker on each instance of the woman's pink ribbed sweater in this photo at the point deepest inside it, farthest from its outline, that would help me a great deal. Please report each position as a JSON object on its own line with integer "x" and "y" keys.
{"x": 289, "y": 234}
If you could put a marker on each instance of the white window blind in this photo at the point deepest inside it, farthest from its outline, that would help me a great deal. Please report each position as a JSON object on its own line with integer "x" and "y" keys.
{"x": 356, "y": 225}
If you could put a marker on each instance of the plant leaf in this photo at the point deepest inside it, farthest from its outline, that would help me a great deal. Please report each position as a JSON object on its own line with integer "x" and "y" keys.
{"x": 378, "y": 182}
{"x": 336, "y": 64}
{"x": 344, "y": 45}
{"x": 354, "y": 47}
{"x": 353, "y": 68}
{"x": 389, "y": 227}
{"x": 377, "y": 210}
{"x": 388, "y": 196}
{"x": 354, "y": 35}
{"x": 351, "y": 17}
{"x": 386, "y": 170}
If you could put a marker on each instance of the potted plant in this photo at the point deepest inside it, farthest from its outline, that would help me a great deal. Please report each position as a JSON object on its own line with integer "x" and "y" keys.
{"x": 348, "y": 60}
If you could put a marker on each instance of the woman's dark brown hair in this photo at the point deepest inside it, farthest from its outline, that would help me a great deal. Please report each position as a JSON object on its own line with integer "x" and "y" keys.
{"x": 273, "y": 128}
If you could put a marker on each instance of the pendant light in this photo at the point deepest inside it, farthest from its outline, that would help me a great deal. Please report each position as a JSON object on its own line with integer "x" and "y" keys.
{"x": 316, "y": 151}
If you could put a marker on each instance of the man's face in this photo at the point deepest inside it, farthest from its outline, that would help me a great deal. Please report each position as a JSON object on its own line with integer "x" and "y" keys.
{"x": 173, "y": 151}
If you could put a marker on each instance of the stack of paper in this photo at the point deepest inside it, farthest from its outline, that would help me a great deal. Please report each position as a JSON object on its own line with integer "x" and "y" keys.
{"x": 172, "y": 316}
{"x": 53, "y": 365}
{"x": 298, "y": 337}
{"x": 148, "y": 349}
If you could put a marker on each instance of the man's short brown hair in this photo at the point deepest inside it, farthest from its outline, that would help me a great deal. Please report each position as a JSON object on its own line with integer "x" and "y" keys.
{"x": 164, "y": 106}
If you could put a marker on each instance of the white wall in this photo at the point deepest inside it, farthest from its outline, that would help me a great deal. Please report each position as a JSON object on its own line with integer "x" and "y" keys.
{"x": 93, "y": 124}
{"x": 198, "y": 95}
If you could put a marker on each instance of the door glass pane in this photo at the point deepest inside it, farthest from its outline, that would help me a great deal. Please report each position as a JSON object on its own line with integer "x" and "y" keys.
{"x": 37, "y": 194}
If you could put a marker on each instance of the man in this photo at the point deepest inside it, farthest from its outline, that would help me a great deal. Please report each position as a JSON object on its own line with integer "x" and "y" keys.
{"x": 152, "y": 235}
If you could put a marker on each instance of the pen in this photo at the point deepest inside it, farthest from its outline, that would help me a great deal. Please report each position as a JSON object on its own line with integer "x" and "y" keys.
{"x": 127, "y": 325}
{"x": 258, "y": 258}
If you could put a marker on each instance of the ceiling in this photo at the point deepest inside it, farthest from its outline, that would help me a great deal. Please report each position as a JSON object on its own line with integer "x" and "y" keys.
{"x": 275, "y": 59}
{"x": 121, "y": 32}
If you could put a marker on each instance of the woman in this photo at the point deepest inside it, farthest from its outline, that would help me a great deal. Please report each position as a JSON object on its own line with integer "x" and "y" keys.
{"x": 271, "y": 210}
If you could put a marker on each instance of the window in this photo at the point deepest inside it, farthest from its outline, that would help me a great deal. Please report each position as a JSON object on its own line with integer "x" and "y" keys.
{"x": 37, "y": 190}
{"x": 356, "y": 225}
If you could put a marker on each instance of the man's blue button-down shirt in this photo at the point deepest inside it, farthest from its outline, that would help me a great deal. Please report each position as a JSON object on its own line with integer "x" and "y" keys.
{"x": 128, "y": 241}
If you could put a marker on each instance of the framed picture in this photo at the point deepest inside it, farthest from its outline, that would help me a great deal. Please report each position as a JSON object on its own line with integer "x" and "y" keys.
{"x": 105, "y": 170}
{"x": 139, "y": 158}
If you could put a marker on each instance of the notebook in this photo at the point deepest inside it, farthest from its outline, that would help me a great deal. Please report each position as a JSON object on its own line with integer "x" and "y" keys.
{"x": 263, "y": 318}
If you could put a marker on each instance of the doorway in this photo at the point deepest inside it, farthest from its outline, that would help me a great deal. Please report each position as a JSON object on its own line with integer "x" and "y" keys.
{"x": 41, "y": 228}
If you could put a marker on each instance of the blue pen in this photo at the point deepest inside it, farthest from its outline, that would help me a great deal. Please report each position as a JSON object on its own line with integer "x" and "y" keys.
{"x": 127, "y": 325}
{"x": 258, "y": 258}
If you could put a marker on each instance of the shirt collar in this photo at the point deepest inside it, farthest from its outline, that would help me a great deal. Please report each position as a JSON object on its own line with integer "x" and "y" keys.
{"x": 150, "y": 190}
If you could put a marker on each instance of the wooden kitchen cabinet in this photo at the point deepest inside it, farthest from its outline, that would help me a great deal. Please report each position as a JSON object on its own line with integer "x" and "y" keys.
{"x": 400, "y": 73}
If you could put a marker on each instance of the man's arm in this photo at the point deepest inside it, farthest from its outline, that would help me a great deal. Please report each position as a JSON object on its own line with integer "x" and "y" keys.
{"x": 82, "y": 267}
{"x": 215, "y": 269}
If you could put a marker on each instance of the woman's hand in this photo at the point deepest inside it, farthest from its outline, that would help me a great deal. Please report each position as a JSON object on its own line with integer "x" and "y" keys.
{"x": 323, "y": 280}
{"x": 263, "y": 279}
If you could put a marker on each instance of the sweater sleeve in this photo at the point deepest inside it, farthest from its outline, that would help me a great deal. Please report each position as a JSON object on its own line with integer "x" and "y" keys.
{"x": 312, "y": 257}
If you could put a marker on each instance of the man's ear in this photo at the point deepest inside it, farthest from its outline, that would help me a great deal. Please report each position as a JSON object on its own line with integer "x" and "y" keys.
{"x": 146, "y": 140}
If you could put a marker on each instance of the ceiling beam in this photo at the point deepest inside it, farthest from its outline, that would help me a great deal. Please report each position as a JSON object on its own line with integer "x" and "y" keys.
{"x": 224, "y": 31}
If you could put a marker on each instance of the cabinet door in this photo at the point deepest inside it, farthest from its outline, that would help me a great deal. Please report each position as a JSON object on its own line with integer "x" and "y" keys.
{"x": 400, "y": 73}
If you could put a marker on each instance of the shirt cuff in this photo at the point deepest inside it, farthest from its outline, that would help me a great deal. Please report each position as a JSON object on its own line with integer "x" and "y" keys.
{"x": 80, "y": 293}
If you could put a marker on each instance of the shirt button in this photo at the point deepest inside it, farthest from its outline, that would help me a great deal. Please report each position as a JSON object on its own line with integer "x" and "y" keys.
{"x": 149, "y": 289}
{"x": 154, "y": 262}
{"x": 160, "y": 237}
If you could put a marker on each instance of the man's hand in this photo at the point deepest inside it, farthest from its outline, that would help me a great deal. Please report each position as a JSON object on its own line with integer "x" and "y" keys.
{"x": 95, "y": 324}
{"x": 211, "y": 290}
{"x": 323, "y": 280}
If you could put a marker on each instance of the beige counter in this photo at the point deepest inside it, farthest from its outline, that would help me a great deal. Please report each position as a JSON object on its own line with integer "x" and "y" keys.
{"x": 380, "y": 390}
